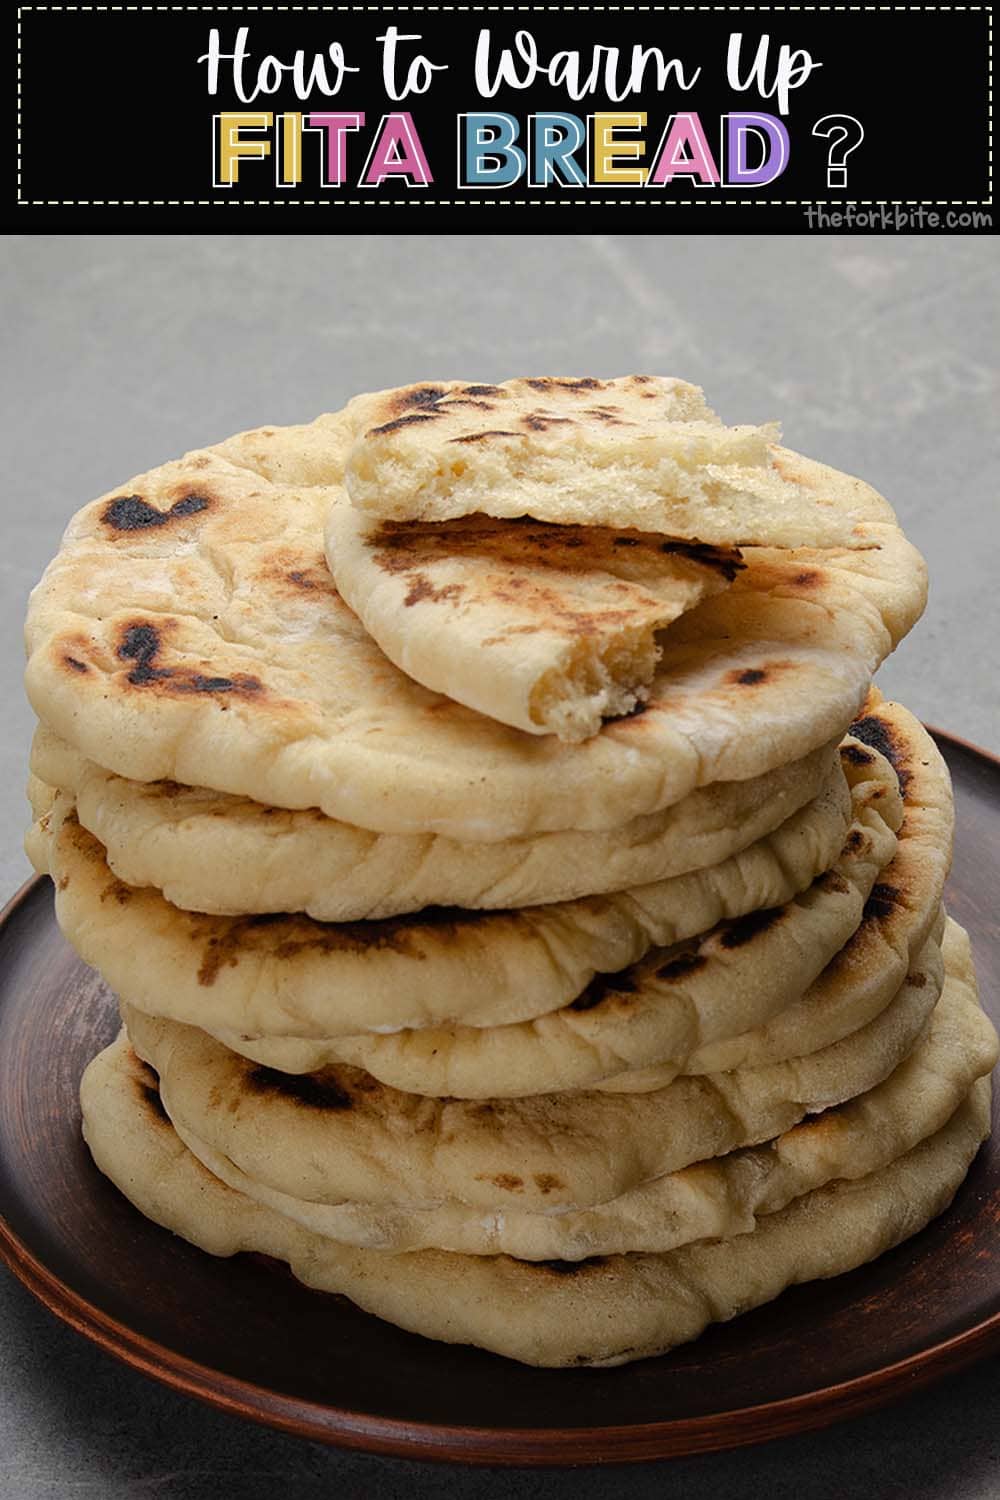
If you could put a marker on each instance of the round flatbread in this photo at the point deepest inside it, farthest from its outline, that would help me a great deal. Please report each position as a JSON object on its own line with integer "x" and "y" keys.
{"x": 189, "y": 631}
{"x": 292, "y": 976}
{"x": 900, "y": 914}
{"x": 864, "y": 919}
{"x": 709, "y": 1200}
{"x": 600, "y": 1311}
{"x": 549, "y": 628}
{"x": 339, "y": 1135}
{"x": 210, "y": 852}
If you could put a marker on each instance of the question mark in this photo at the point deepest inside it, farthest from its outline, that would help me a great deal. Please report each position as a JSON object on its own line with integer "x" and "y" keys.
{"x": 841, "y": 129}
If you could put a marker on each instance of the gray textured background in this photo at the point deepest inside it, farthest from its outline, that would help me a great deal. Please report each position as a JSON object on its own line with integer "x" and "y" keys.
{"x": 879, "y": 356}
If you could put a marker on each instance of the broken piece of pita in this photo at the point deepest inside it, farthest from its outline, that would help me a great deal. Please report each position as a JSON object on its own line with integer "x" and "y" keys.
{"x": 550, "y": 629}
{"x": 641, "y": 451}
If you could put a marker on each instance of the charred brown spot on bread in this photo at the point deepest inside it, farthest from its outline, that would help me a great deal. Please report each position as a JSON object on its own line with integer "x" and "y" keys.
{"x": 559, "y": 383}
{"x": 833, "y": 883}
{"x": 725, "y": 560}
{"x": 75, "y": 664}
{"x": 808, "y": 579}
{"x": 398, "y": 423}
{"x": 482, "y": 390}
{"x": 545, "y": 1182}
{"x": 320, "y": 1091}
{"x": 742, "y": 930}
{"x": 917, "y": 981}
{"x": 521, "y": 546}
{"x": 612, "y": 414}
{"x": 569, "y": 1267}
{"x": 116, "y": 890}
{"x": 302, "y": 580}
{"x": 539, "y": 421}
{"x": 856, "y": 755}
{"x": 603, "y": 987}
{"x": 415, "y": 403}
{"x": 289, "y": 936}
{"x": 416, "y": 396}
{"x": 133, "y": 513}
{"x": 518, "y": 552}
{"x": 481, "y": 437}
{"x": 295, "y": 573}
{"x": 881, "y": 736}
{"x": 754, "y": 676}
{"x": 855, "y": 840}
{"x": 682, "y": 966}
{"x": 882, "y": 902}
{"x": 148, "y": 1086}
{"x": 394, "y": 540}
{"x": 141, "y": 642}
{"x": 421, "y": 589}
{"x": 507, "y": 1181}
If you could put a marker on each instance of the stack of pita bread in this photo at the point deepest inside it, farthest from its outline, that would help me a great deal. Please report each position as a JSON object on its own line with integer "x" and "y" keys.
{"x": 525, "y": 914}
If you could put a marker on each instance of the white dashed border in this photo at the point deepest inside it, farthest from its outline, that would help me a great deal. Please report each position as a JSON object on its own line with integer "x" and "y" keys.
{"x": 597, "y": 202}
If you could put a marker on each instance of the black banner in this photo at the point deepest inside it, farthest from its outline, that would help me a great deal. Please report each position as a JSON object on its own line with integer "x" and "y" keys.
{"x": 480, "y": 118}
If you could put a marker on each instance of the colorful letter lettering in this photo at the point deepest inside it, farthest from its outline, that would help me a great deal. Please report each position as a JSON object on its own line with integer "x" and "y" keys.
{"x": 396, "y": 152}
{"x": 230, "y": 149}
{"x": 488, "y": 155}
{"x": 684, "y": 152}
{"x": 553, "y": 140}
{"x": 335, "y": 128}
{"x": 773, "y": 139}
{"x": 609, "y": 151}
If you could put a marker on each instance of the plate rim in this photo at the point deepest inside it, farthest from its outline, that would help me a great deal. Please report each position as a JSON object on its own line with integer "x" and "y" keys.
{"x": 502, "y": 1446}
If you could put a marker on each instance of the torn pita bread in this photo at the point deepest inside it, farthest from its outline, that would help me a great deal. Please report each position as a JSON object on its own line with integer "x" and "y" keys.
{"x": 639, "y": 451}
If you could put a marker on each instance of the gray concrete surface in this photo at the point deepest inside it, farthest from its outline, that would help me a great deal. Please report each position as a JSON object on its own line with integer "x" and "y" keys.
{"x": 879, "y": 356}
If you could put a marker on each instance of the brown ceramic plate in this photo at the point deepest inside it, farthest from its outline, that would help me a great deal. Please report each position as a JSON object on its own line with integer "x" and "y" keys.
{"x": 245, "y": 1337}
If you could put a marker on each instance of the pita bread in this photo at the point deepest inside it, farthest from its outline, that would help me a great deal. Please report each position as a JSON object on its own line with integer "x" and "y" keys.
{"x": 288, "y": 975}
{"x": 551, "y": 629}
{"x": 602, "y": 1311}
{"x": 709, "y": 1200}
{"x": 547, "y": 628}
{"x": 188, "y": 631}
{"x": 636, "y": 1030}
{"x": 209, "y": 852}
{"x": 900, "y": 914}
{"x": 640, "y": 452}
{"x": 339, "y": 1135}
